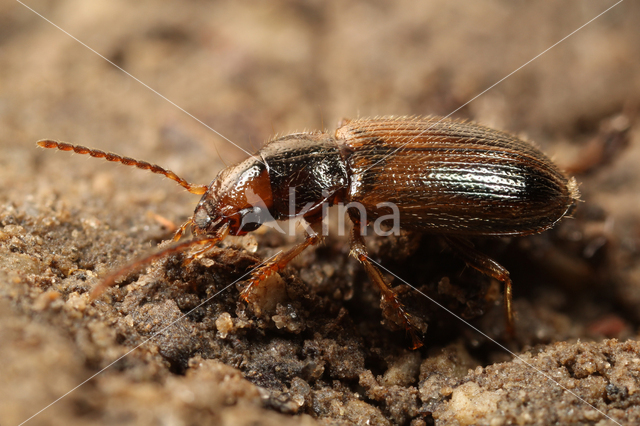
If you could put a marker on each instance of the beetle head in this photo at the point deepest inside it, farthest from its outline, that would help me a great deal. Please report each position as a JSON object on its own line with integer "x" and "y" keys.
{"x": 239, "y": 199}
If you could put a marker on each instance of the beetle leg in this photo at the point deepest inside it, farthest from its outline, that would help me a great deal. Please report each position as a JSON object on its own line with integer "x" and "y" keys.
{"x": 206, "y": 246}
{"x": 277, "y": 264}
{"x": 490, "y": 267}
{"x": 111, "y": 279}
{"x": 392, "y": 307}
{"x": 197, "y": 254}
{"x": 180, "y": 231}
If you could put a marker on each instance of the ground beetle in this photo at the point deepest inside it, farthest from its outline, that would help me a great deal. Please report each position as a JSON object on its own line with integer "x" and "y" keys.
{"x": 450, "y": 178}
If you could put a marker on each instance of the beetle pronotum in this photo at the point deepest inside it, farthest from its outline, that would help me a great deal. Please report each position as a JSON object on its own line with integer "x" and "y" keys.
{"x": 450, "y": 178}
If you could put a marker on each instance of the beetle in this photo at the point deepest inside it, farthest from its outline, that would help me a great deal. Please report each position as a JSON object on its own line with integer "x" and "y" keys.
{"x": 450, "y": 178}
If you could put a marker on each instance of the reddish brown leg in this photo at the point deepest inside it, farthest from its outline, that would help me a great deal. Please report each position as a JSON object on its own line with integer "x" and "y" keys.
{"x": 180, "y": 232}
{"x": 197, "y": 254}
{"x": 112, "y": 278}
{"x": 392, "y": 309}
{"x": 277, "y": 264}
{"x": 205, "y": 247}
{"x": 490, "y": 267}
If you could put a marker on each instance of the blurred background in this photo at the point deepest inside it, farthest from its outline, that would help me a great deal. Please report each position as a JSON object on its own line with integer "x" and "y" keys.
{"x": 268, "y": 68}
{"x": 256, "y": 69}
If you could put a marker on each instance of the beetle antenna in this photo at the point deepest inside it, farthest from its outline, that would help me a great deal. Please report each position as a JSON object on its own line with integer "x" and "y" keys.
{"x": 112, "y": 279}
{"x": 79, "y": 149}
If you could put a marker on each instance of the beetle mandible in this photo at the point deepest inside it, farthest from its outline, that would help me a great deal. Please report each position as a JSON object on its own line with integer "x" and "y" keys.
{"x": 450, "y": 178}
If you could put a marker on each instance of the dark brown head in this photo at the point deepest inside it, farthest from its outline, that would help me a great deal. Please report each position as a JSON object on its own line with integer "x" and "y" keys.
{"x": 239, "y": 199}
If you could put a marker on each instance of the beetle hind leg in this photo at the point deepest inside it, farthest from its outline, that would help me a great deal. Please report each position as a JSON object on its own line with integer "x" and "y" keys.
{"x": 490, "y": 267}
{"x": 392, "y": 308}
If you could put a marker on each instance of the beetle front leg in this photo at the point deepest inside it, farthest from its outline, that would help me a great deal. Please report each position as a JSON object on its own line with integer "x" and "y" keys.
{"x": 277, "y": 264}
{"x": 392, "y": 308}
{"x": 490, "y": 267}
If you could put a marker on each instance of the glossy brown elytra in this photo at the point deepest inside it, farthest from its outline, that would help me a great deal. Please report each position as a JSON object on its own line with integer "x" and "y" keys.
{"x": 449, "y": 178}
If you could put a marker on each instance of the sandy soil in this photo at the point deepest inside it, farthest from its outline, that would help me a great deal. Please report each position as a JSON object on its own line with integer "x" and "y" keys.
{"x": 317, "y": 352}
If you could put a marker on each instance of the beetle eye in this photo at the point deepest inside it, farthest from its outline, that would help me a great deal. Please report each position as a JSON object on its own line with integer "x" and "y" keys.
{"x": 202, "y": 219}
{"x": 251, "y": 219}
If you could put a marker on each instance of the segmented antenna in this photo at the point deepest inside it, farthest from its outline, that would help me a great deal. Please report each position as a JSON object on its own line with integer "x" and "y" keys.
{"x": 206, "y": 244}
{"x": 79, "y": 149}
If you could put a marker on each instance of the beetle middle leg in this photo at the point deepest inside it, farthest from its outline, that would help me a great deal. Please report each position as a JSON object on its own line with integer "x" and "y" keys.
{"x": 487, "y": 266}
{"x": 392, "y": 307}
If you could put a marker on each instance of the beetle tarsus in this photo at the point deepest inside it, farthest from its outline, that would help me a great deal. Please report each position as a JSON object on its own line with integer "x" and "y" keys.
{"x": 395, "y": 311}
{"x": 483, "y": 263}
{"x": 508, "y": 309}
{"x": 199, "y": 253}
{"x": 277, "y": 264}
{"x": 392, "y": 308}
{"x": 180, "y": 231}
